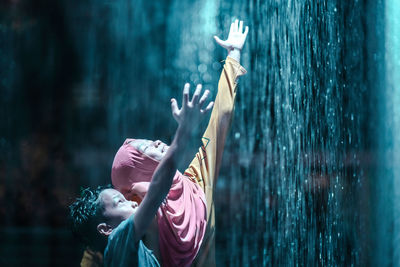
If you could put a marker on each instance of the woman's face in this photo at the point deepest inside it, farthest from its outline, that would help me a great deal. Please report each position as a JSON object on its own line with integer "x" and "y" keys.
{"x": 153, "y": 149}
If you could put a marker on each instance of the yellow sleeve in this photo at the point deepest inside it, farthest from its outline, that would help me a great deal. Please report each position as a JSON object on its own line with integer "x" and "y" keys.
{"x": 91, "y": 259}
{"x": 205, "y": 166}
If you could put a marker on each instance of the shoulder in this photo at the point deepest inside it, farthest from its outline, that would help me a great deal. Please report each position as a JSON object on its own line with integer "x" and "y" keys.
{"x": 124, "y": 231}
{"x": 121, "y": 241}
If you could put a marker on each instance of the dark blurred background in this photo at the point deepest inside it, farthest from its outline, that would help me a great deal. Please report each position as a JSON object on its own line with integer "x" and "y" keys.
{"x": 309, "y": 172}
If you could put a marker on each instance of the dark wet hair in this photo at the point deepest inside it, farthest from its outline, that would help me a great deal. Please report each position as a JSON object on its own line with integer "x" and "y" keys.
{"x": 86, "y": 214}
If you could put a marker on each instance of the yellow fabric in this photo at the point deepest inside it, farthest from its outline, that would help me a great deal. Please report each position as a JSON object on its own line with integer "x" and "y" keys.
{"x": 92, "y": 259}
{"x": 205, "y": 166}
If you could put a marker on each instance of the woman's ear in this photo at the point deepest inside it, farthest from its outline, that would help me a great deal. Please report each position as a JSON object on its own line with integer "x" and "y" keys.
{"x": 104, "y": 229}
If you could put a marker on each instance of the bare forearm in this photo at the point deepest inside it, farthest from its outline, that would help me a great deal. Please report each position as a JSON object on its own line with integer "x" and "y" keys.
{"x": 165, "y": 172}
{"x": 161, "y": 183}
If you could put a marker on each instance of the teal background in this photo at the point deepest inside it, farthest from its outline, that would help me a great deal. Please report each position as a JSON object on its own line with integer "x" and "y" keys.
{"x": 310, "y": 169}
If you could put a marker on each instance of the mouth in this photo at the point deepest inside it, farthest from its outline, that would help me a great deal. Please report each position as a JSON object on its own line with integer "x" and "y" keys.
{"x": 164, "y": 148}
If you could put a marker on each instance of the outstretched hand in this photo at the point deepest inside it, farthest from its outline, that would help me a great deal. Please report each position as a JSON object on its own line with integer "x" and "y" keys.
{"x": 236, "y": 37}
{"x": 192, "y": 112}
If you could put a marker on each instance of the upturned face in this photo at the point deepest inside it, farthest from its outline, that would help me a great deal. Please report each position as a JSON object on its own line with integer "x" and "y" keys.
{"x": 115, "y": 207}
{"x": 153, "y": 149}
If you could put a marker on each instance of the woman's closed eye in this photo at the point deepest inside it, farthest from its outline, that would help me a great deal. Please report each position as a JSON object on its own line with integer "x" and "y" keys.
{"x": 142, "y": 147}
{"x": 120, "y": 201}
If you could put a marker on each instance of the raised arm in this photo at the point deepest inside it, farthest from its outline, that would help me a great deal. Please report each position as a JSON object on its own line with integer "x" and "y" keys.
{"x": 188, "y": 117}
{"x": 235, "y": 41}
{"x": 205, "y": 166}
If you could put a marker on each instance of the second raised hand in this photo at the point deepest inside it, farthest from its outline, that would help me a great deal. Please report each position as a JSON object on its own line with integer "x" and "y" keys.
{"x": 191, "y": 111}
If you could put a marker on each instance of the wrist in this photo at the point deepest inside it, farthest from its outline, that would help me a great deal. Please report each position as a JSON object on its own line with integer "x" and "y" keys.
{"x": 184, "y": 133}
{"x": 235, "y": 54}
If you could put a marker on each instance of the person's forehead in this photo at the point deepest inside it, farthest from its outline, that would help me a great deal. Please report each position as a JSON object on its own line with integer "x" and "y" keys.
{"x": 140, "y": 141}
{"x": 109, "y": 194}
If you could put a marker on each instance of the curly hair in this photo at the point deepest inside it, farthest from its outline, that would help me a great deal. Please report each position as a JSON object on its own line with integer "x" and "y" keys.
{"x": 86, "y": 213}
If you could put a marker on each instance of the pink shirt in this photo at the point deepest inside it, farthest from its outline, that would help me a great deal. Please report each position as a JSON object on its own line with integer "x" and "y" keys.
{"x": 182, "y": 217}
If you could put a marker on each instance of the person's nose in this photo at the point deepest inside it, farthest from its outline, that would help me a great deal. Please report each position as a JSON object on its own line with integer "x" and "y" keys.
{"x": 157, "y": 143}
{"x": 133, "y": 203}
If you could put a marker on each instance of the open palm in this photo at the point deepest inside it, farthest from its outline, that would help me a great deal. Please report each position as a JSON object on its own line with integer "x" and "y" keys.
{"x": 236, "y": 37}
{"x": 191, "y": 111}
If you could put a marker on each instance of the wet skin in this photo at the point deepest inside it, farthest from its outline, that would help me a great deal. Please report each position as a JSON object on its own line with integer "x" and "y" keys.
{"x": 116, "y": 207}
{"x": 153, "y": 149}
